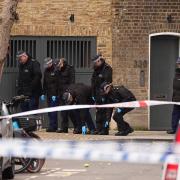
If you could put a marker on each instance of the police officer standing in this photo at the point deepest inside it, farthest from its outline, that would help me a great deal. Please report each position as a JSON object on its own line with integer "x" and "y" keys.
{"x": 66, "y": 76}
{"x": 80, "y": 94}
{"x": 176, "y": 98}
{"x": 115, "y": 95}
{"x": 29, "y": 80}
{"x": 102, "y": 72}
{"x": 50, "y": 88}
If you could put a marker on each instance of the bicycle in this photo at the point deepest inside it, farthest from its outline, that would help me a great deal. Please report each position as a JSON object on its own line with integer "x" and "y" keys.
{"x": 24, "y": 128}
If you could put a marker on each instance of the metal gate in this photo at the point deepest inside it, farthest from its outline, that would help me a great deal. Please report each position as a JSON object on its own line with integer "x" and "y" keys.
{"x": 77, "y": 50}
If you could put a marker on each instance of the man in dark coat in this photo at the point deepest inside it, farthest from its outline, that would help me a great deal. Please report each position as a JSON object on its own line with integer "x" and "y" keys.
{"x": 66, "y": 76}
{"x": 176, "y": 98}
{"x": 29, "y": 80}
{"x": 117, "y": 94}
{"x": 81, "y": 94}
{"x": 50, "y": 89}
{"x": 102, "y": 72}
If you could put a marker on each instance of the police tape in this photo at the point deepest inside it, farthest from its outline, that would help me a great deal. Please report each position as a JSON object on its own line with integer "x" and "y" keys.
{"x": 93, "y": 151}
{"x": 131, "y": 104}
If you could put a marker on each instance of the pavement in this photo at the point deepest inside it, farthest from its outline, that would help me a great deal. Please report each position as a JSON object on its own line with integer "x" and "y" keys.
{"x": 135, "y": 136}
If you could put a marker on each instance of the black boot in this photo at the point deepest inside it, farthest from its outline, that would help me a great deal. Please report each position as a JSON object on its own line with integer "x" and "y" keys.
{"x": 104, "y": 131}
{"x": 131, "y": 130}
{"x": 62, "y": 131}
{"x": 50, "y": 130}
{"x": 77, "y": 131}
{"x": 124, "y": 132}
{"x": 171, "y": 132}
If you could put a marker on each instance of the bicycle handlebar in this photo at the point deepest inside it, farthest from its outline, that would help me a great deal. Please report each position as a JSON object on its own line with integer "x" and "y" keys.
{"x": 16, "y": 100}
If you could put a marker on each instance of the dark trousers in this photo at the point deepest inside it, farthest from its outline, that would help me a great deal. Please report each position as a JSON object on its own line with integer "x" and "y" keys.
{"x": 73, "y": 115}
{"x": 175, "y": 117}
{"x": 53, "y": 122}
{"x": 118, "y": 117}
{"x": 87, "y": 119}
{"x": 29, "y": 105}
{"x": 101, "y": 119}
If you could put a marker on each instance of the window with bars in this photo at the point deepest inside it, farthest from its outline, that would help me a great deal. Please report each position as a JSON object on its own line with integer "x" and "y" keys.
{"x": 77, "y": 53}
{"x": 16, "y": 45}
{"x": 77, "y": 50}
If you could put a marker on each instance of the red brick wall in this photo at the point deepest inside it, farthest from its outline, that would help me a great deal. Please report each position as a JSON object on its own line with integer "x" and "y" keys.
{"x": 133, "y": 22}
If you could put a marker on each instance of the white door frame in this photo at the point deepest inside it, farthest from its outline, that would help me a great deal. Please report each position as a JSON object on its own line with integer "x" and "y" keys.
{"x": 152, "y": 35}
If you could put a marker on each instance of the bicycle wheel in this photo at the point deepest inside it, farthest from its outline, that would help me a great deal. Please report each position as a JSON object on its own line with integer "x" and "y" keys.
{"x": 21, "y": 164}
{"x": 36, "y": 164}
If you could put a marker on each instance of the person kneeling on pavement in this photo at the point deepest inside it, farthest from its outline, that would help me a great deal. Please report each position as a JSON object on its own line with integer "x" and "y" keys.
{"x": 117, "y": 94}
{"x": 81, "y": 94}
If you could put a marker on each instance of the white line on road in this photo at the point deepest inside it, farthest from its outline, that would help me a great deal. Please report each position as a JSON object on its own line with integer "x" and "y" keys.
{"x": 61, "y": 174}
{"x": 74, "y": 170}
{"x": 32, "y": 177}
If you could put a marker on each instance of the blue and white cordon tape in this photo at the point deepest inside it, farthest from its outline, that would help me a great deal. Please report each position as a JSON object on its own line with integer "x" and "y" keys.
{"x": 94, "y": 151}
{"x": 131, "y": 104}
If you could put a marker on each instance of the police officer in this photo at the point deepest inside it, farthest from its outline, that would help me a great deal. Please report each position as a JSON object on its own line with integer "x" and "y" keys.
{"x": 29, "y": 80}
{"x": 117, "y": 94}
{"x": 176, "y": 98}
{"x": 66, "y": 76}
{"x": 102, "y": 72}
{"x": 50, "y": 88}
{"x": 81, "y": 94}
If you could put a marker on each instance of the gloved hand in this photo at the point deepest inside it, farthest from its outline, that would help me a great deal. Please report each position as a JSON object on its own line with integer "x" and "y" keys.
{"x": 43, "y": 97}
{"x": 53, "y": 98}
{"x": 93, "y": 98}
{"x": 106, "y": 124}
{"x": 83, "y": 130}
{"x": 118, "y": 110}
{"x": 15, "y": 125}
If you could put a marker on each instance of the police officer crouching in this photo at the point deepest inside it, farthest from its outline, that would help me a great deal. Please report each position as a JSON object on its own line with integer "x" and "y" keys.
{"x": 117, "y": 94}
{"x": 29, "y": 80}
{"x": 50, "y": 88}
{"x": 80, "y": 94}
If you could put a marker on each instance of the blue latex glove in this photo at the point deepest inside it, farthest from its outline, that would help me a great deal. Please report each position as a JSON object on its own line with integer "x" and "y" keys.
{"x": 53, "y": 98}
{"x": 15, "y": 125}
{"x": 93, "y": 98}
{"x": 43, "y": 97}
{"x": 118, "y": 110}
{"x": 106, "y": 124}
{"x": 83, "y": 130}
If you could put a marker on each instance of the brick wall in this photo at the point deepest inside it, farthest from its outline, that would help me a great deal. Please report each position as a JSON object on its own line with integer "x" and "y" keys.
{"x": 133, "y": 22}
{"x": 51, "y": 18}
{"x": 122, "y": 28}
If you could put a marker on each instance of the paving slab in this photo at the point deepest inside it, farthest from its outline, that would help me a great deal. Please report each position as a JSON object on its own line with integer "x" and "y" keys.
{"x": 135, "y": 136}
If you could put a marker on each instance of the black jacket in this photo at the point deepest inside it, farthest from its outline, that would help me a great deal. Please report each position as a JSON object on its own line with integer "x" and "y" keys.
{"x": 50, "y": 82}
{"x": 29, "y": 78}
{"x": 66, "y": 76}
{"x": 118, "y": 94}
{"x": 176, "y": 86}
{"x": 81, "y": 94}
{"x": 101, "y": 74}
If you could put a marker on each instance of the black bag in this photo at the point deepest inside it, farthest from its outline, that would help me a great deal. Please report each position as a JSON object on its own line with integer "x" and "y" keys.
{"x": 29, "y": 123}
